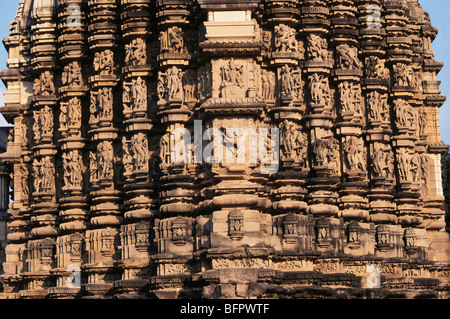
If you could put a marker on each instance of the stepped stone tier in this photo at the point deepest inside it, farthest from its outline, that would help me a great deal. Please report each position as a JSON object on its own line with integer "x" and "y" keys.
{"x": 115, "y": 104}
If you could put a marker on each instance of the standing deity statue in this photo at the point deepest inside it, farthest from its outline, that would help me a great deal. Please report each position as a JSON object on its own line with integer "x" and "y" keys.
{"x": 139, "y": 94}
{"x": 74, "y": 113}
{"x": 105, "y": 159}
{"x": 174, "y": 83}
{"x": 139, "y": 148}
{"x": 320, "y": 90}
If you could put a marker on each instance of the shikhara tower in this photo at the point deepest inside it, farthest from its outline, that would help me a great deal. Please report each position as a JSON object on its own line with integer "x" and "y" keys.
{"x": 95, "y": 89}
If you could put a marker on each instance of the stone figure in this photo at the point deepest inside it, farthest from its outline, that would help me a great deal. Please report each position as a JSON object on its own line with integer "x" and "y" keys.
{"x": 406, "y": 115}
{"x": 105, "y": 159}
{"x": 93, "y": 166}
{"x": 43, "y": 174}
{"x": 72, "y": 75}
{"x": 348, "y": 57}
{"x": 126, "y": 97}
{"x": 24, "y": 181}
{"x": 291, "y": 82}
{"x": 107, "y": 62}
{"x": 376, "y": 69}
{"x": 74, "y": 113}
{"x": 176, "y": 40}
{"x": 174, "y": 83}
{"x": 139, "y": 148}
{"x": 72, "y": 168}
{"x": 164, "y": 149}
{"x": 323, "y": 148}
{"x": 293, "y": 142}
{"x": 378, "y": 106}
{"x": 403, "y": 75}
{"x": 127, "y": 159}
{"x": 136, "y": 52}
{"x": 423, "y": 121}
{"x": 63, "y": 119}
{"x": 425, "y": 173}
{"x": 190, "y": 85}
{"x": 232, "y": 79}
{"x": 285, "y": 39}
{"x": 320, "y": 90}
{"x": 105, "y": 102}
{"x": 104, "y": 62}
{"x": 403, "y": 161}
{"x": 139, "y": 94}
{"x": 317, "y": 48}
{"x": 354, "y": 154}
{"x": 382, "y": 161}
{"x": 45, "y": 85}
{"x": 46, "y": 120}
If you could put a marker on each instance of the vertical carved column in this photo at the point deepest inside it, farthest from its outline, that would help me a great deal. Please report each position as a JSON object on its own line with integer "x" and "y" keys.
{"x": 102, "y": 240}
{"x": 375, "y": 85}
{"x": 135, "y": 175}
{"x": 324, "y": 146}
{"x": 285, "y": 62}
{"x": 72, "y": 179}
{"x": 176, "y": 99}
{"x": 350, "y": 126}
{"x": 405, "y": 116}
{"x": 39, "y": 249}
{"x": 427, "y": 100}
{"x": 17, "y": 111}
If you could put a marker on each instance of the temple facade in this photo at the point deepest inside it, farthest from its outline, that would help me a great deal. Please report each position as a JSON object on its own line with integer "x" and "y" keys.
{"x": 223, "y": 149}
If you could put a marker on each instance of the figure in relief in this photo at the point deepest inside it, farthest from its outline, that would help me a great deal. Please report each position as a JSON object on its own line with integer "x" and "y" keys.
{"x": 139, "y": 94}
{"x": 232, "y": 79}
{"x": 136, "y": 52}
{"x": 320, "y": 90}
{"x": 174, "y": 83}
{"x": 105, "y": 159}
{"x": 139, "y": 148}
{"x": 176, "y": 40}
{"x": 404, "y": 75}
{"x": 317, "y": 48}
{"x": 74, "y": 112}
{"x": 354, "y": 154}
{"x": 285, "y": 39}
{"x": 348, "y": 57}
{"x": 190, "y": 85}
{"x": 376, "y": 69}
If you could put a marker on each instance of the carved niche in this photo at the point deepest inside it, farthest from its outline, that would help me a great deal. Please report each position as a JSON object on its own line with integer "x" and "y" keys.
{"x": 323, "y": 232}
{"x": 383, "y": 237}
{"x": 236, "y": 225}
{"x": 76, "y": 247}
{"x": 354, "y": 234}
{"x": 290, "y": 225}
{"x": 179, "y": 231}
